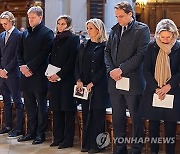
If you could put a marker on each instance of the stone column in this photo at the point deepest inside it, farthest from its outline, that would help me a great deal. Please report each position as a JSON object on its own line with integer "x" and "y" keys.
{"x": 53, "y": 9}
{"x": 78, "y": 12}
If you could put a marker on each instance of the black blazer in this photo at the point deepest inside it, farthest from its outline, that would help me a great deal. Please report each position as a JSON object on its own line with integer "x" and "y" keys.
{"x": 127, "y": 53}
{"x": 8, "y": 58}
{"x": 100, "y": 97}
{"x": 64, "y": 55}
{"x": 34, "y": 49}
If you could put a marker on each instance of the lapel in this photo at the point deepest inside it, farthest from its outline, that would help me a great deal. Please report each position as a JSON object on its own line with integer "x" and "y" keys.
{"x": 10, "y": 38}
{"x": 117, "y": 31}
{"x": 3, "y": 37}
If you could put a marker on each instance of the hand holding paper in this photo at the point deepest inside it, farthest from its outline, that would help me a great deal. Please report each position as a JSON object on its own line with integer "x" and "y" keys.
{"x": 123, "y": 84}
{"x": 166, "y": 103}
{"x": 51, "y": 70}
{"x": 81, "y": 93}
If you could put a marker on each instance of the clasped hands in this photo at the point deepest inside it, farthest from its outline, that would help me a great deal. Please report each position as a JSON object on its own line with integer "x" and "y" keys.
{"x": 3, "y": 74}
{"x": 161, "y": 92}
{"x": 79, "y": 84}
{"x": 25, "y": 71}
{"x": 53, "y": 78}
{"x": 115, "y": 74}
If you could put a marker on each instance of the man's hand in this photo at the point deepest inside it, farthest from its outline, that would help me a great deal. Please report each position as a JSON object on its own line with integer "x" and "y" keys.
{"x": 115, "y": 74}
{"x": 3, "y": 74}
{"x": 53, "y": 78}
{"x": 25, "y": 71}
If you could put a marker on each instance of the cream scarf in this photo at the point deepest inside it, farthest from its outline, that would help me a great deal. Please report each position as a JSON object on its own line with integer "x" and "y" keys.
{"x": 162, "y": 67}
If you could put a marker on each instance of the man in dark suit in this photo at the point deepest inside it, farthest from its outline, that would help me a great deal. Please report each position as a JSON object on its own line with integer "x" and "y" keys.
{"x": 33, "y": 59}
{"x": 10, "y": 75}
{"x": 124, "y": 54}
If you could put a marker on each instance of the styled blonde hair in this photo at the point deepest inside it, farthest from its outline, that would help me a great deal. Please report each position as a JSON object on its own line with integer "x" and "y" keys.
{"x": 166, "y": 25}
{"x": 9, "y": 16}
{"x": 102, "y": 35}
{"x": 68, "y": 20}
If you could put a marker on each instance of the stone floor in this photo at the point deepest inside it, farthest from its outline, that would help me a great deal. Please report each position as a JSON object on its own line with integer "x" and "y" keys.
{"x": 11, "y": 146}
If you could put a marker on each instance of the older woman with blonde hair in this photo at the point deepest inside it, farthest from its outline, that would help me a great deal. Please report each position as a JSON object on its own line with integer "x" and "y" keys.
{"x": 91, "y": 72}
{"x": 63, "y": 55}
{"x": 162, "y": 75}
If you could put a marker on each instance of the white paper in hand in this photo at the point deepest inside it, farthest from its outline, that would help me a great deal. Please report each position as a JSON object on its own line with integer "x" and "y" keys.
{"x": 166, "y": 103}
{"x": 123, "y": 84}
{"x": 51, "y": 70}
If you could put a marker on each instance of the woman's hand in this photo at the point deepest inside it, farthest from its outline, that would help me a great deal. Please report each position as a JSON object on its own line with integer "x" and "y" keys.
{"x": 89, "y": 86}
{"x": 53, "y": 78}
{"x": 79, "y": 84}
{"x": 161, "y": 92}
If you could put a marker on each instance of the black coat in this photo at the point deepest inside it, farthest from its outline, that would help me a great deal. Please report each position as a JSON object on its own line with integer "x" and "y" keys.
{"x": 64, "y": 55}
{"x": 34, "y": 49}
{"x": 100, "y": 96}
{"x": 146, "y": 109}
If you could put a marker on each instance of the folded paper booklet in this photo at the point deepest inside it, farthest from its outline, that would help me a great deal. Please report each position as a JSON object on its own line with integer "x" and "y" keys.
{"x": 166, "y": 103}
{"x": 51, "y": 70}
{"x": 80, "y": 93}
{"x": 123, "y": 84}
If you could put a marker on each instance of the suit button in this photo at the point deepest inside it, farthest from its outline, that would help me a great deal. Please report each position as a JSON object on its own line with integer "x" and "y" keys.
{"x": 92, "y": 61}
{"x": 92, "y": 71}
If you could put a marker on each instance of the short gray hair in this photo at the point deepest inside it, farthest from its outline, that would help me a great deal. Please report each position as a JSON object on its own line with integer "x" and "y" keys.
{"x": 102, "y": 36}
{"x": 36, "y": 9}
{"x": 9, "y": 16}
{"x": 166, "y": 25}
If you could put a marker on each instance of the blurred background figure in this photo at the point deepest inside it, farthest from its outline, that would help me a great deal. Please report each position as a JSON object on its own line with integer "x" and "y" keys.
{"x": 82, "y": 37}
{"x": 22, "y": 29}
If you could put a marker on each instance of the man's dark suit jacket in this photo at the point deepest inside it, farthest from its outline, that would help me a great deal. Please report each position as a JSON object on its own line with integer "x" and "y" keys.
{"x": 8, "y": 58}
{"x": 127, "y": 53}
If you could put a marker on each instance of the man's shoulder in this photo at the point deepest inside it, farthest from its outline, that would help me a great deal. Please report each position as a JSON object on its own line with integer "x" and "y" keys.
{"x": 74, "y": 36}
{"x": 115, "y": 27}
{"x": 140, "y": 25}
{"x": 1, "y": 34}
{"x": 16, "y": 32}
{"x": 46, "y": 29}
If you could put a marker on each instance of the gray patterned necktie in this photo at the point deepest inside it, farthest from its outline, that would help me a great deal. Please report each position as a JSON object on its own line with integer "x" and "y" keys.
{"x": 7, "y": 36}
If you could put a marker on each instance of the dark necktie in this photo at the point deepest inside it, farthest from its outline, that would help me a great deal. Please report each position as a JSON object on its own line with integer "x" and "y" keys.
{"x": 123, "y": 30}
